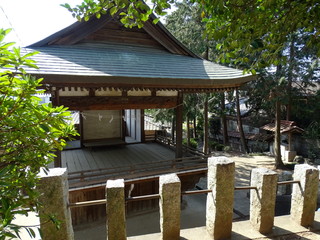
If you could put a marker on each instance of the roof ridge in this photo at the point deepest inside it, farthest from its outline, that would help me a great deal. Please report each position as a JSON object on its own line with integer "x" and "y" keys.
{"x": 77, "y": 31}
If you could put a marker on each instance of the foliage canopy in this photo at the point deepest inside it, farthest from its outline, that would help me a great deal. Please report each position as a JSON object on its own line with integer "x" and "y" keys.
{"x": 255, "y": 26}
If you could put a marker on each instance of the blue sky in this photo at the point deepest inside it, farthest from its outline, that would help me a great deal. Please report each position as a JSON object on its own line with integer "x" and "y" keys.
{"x": 33, "y": 20}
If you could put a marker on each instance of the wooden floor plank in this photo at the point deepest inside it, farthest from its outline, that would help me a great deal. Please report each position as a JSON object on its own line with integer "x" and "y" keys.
{"x": 70, "y": 161}
{"x": 63, "y": 163}
{"x": 119, "y": 156}
{"x": 77, "y": 163}
{"x": 91, "y": 160}
{"x": 137, "y": 155}
{"x": 82, "y": 159}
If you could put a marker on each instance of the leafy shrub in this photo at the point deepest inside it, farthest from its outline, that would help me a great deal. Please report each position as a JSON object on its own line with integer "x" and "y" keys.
{"x": 220, "y": 147}
{"x": 227, "y": 148}
{"x": 212, "y": 145}
{"x": 193, "y": 143}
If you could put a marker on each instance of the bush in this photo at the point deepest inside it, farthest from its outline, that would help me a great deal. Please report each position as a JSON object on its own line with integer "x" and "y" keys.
{"x": 193, "y": 143}
{"x": 29, "y": 134}
{"x": 220, "y": 147}
{"x": 215, "y": 146}
{"x": 227, "y": 149}
{"x": 212, "y": 145}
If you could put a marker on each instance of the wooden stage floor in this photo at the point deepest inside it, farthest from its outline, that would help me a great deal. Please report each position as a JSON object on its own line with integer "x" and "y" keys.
{"x": 86, "y": 159}
{"x": 93, "y": 166}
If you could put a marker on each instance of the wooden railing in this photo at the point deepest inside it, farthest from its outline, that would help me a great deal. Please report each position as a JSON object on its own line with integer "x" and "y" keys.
{"x": 187, "y": 150}
{"x": 194, "y": 159}
{"x": 96, "y": 176}
{"x": 157, "y": 196}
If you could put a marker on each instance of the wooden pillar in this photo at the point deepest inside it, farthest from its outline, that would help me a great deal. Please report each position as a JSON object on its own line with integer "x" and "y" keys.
{"x": 205, "y": 148}
{"x": 179, "y": 121}
{"x": 57, "y": 160}
{"x": 55, "y": 102}
{"x": 81, "y": 129}
{"x": 143, "y": 139}
{"x": 123, "y": 124}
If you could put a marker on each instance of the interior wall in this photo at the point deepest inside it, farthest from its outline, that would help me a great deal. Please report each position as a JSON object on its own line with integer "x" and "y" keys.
{"x": 133, "y": 119}
{"x": 133, "y": 124}
{"x": 101, "y": 124}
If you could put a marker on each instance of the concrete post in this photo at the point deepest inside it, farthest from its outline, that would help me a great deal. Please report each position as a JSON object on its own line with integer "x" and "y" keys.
{"x": 219, "y": 213}
{"x": 170, "y": 198}
{"x": 304, "y": 195}
{"x": 116, "y": 221}
{"x": 54, "y": 193}
{"x": 263, "y": 199}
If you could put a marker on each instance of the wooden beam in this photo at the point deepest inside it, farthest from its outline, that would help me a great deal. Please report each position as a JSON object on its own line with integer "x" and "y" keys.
{"x": 142, "y": 125}
{"x": 116, "y": 103}
{"x": 123, "y": 125}
{"x": 81, "y": 129}
{"x": 179, "y": 121}
{"x": 57, "y": 159}
{"x": 128, "y": 83}
{"x": 92, "y": 92}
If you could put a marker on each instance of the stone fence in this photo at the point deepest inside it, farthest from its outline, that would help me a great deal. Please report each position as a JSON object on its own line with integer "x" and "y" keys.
{"x": 219, "y": 208}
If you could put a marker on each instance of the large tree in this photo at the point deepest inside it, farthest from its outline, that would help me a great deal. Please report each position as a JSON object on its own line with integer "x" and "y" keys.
{"x": 260, "y": 26}
{"x": 30, "y": 133}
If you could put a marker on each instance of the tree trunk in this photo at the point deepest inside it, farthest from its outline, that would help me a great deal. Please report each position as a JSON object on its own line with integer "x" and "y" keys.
{"x": 179, "y": 124}
{"x": 194, "y": 127}
{"x": 173, "y": 129}
{"x": 242, "y": 137}
{"x": 277, "y": 137}
{"x": 277, "y": 134}
{"x": 205, "y": 126}
{"x": 290, "y": 78}
{"x": 224, "y": 121}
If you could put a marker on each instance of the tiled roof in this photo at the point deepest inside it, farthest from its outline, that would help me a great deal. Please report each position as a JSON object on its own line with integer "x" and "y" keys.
{"x": 286, "y": 126}
{"x": 108, "y": 63}
{"x": 94, "y": 59}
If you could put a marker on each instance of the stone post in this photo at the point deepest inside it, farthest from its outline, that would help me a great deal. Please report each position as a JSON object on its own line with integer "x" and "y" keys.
{"x": 170, "y": 198}
{"x": 304, "y": 195}
{"x": 54, "y": 193}
{"x": 116, "y": 220}
{"x": 219, "y": 213}
{"x": 263, "y": 199}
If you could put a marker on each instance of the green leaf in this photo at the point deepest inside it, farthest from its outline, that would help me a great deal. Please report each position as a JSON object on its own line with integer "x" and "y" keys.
{"x": 113, "y": 10}
{"x": 155, "y": 21}
{"x": 9, "y": 234}
{"x": 31, "y": 232}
